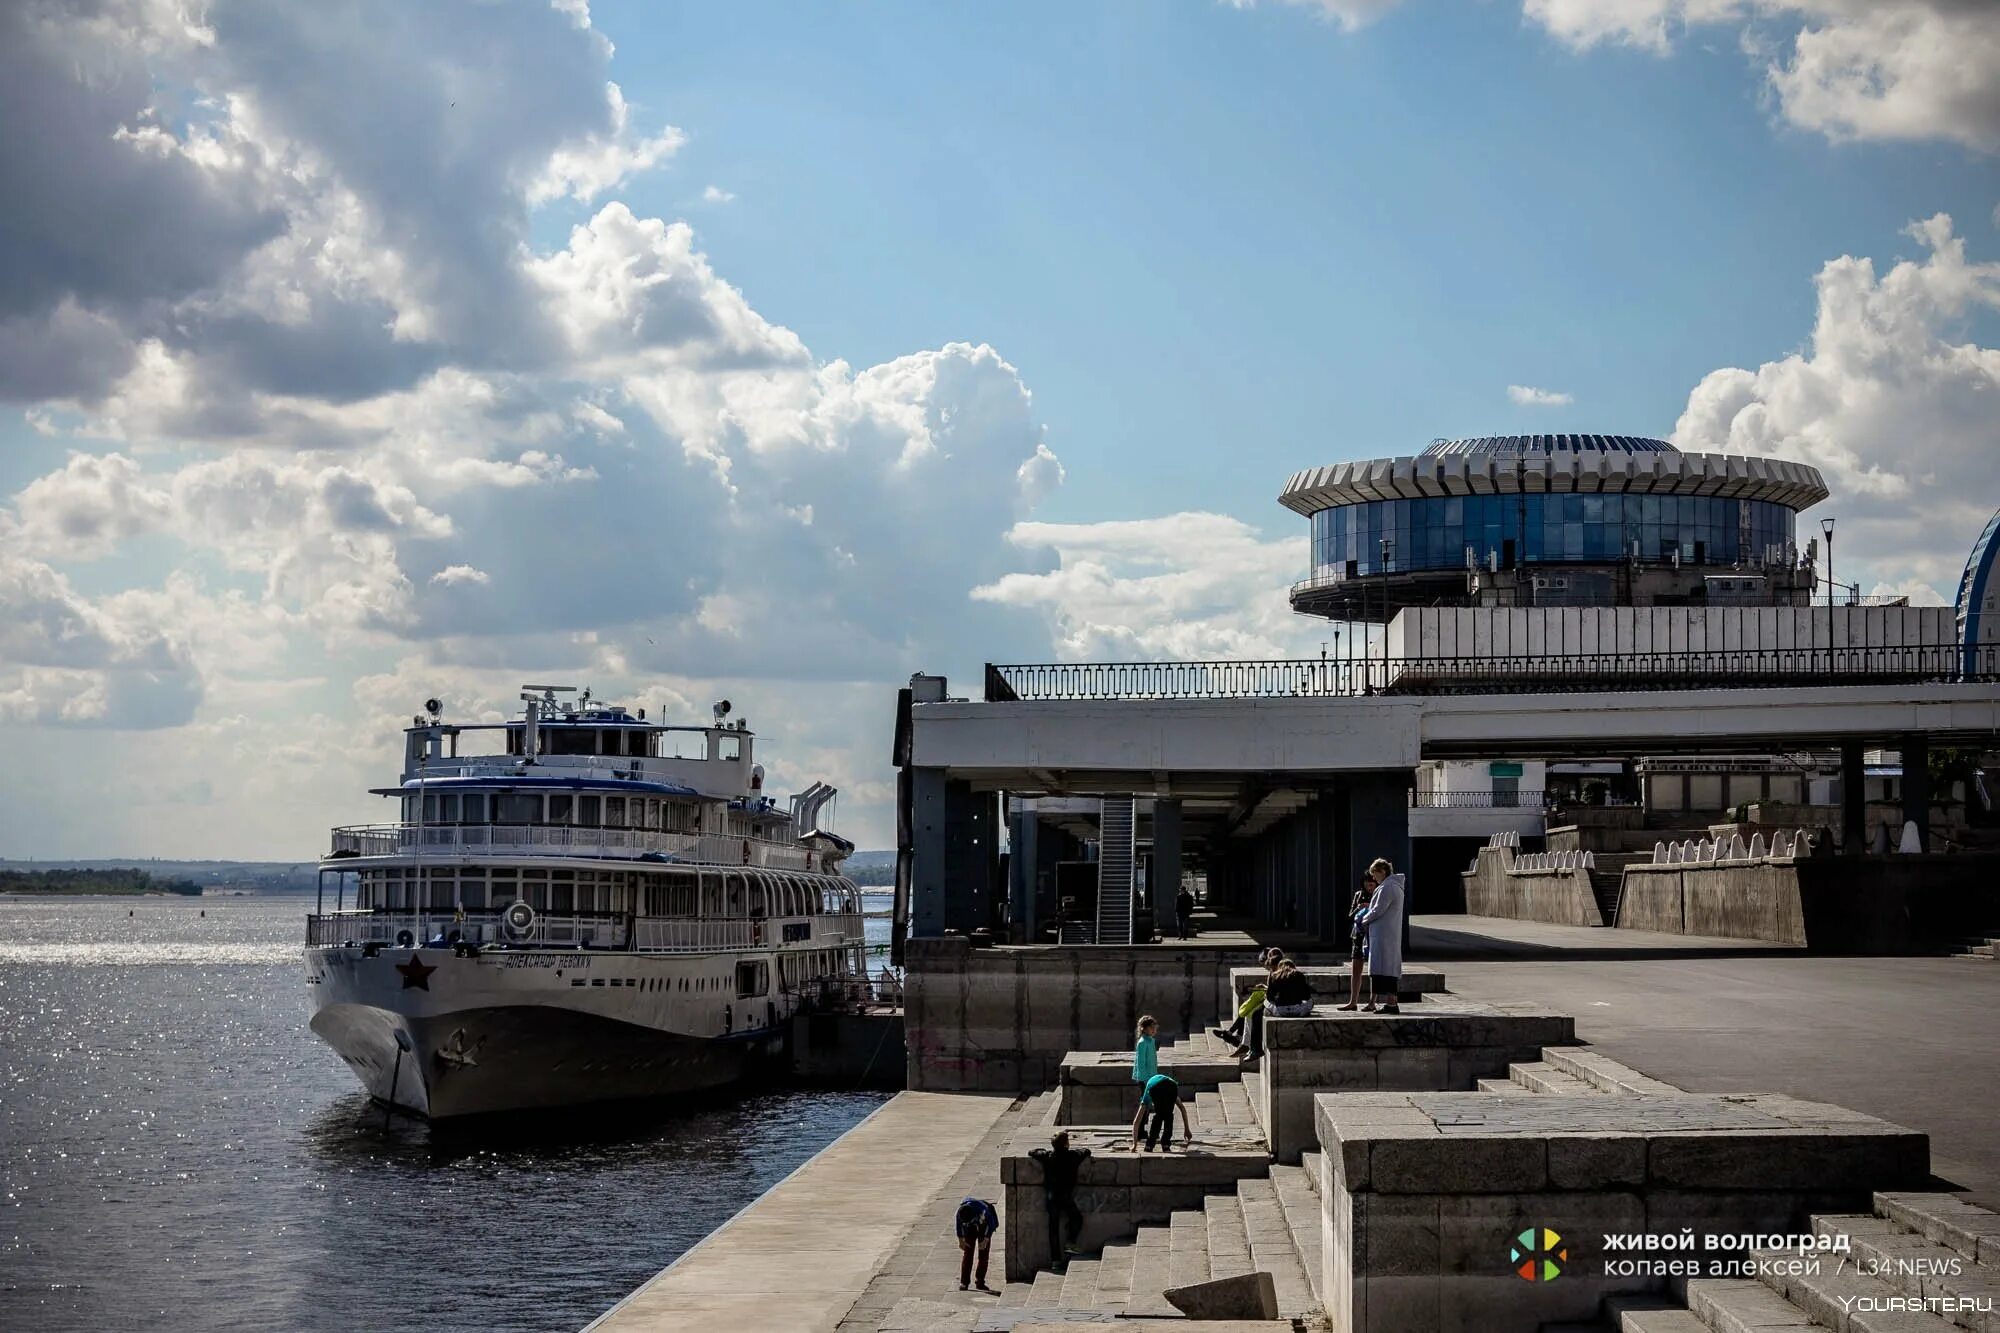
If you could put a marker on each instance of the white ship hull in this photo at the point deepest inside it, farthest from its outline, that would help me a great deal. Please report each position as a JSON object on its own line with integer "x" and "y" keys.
{"x": 446, "y": 1036}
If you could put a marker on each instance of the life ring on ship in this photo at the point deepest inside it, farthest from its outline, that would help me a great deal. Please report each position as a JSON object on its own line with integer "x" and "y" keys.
{"x": 404, "y": 939}
{"x": 518, "y": 920}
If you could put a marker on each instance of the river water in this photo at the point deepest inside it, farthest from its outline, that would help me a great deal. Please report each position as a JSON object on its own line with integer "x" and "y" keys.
{"x": 177, "y": 1151}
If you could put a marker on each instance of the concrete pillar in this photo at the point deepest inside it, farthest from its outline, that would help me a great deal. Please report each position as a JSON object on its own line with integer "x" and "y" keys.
{"x": 1166, "y": 867}
{"x": 1381, "y": 827}
{"x": 1024, "y": 865}
{"x": 1917, "y": 787}
{"x": 972, "y": 856}
{"x": 929, "y": 873}
{"x": 1853, "y": 800}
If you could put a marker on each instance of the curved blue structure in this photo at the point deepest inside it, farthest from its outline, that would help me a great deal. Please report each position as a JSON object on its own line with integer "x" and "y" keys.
{"x": 1979, "y": 602}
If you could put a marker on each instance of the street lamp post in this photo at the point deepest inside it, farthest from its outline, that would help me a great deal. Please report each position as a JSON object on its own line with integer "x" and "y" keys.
{"x": 1826, "y": 526}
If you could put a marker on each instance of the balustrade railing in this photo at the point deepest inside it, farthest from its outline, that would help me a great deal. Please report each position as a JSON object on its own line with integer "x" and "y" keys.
{"x": 1510, "y": 673}
{"x": 1476, "y": 800}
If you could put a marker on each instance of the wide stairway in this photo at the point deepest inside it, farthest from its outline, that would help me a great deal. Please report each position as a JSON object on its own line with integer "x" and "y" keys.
{"x": 1918, "y": 1263}
{"x": 1607, "y": 879}
{"x": 1268, "y": 1223}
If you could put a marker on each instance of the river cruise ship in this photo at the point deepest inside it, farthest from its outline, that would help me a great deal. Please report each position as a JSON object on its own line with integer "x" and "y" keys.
{"x": 576, "y": 906}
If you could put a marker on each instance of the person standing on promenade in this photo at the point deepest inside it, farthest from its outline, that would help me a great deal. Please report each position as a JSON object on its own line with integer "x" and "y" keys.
{"x": 1162, "y": 1094}
{"x": 1184, "y": 910}
{"x": 1357, "y": 947}
{"x": 1384, "y": 919}
{"x": 976, "y": 1222}
{"x": 1060, "y": 1163}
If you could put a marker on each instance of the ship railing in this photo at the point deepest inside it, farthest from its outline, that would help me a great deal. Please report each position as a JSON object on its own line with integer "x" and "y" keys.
{"x": 597, "y": 930}
{"x": 514, "y": 839}
{"x": 439, "y": 927}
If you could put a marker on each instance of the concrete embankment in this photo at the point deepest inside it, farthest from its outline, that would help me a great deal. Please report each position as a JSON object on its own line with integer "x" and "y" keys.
{"x": 800, "y": 1255}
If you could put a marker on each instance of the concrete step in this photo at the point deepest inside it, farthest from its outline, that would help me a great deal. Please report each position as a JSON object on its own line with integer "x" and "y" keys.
{"x": 1272, "y": 1247}
{"x": 1114, "y": 1277}
{"x": 1253, "y": 1088}
{"x": 1228, "y": 1241}
{"x": 1727, "y": 1305}
{"x": 1919, "y": 1267}
{"x": 1541, "y": 1076}
{"x": 1207, "y": 1110}
{"x": 1187, "y": 1239}
{"x": 1604, "y": 1073}
{"x": 1305, "y": 1222}
{"x": 1079, "y": 1285}
{"x": 1314, "y": 1163}
{"x": 1046, "y": 1292}
{"x": 1947, "y": 1219}
{"x": 1236, "y": 1104}
{"x": 1152, "y": 1272}
{"x": 1830, "y": 1297}
{"x": 1649, "y": 1314}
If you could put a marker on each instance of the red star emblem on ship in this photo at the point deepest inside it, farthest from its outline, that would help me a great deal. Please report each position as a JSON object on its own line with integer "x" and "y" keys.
{"x": 416, "y": 973}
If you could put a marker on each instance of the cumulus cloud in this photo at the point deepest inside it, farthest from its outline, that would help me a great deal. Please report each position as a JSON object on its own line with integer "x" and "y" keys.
{"x": 1192, "y": 585}
{"x": 452, "y": 576}
{"x": 1849, "y": 69}
{"x": 1887, "y": 402}
{"x": 1523, "y": 395}
{"x": 715, "y": 194}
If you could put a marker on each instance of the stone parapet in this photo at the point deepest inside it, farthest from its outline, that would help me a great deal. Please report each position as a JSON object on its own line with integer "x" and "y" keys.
{"x": 1330, "y": 983}
{"x": 1097, "y": 1088}
{"x": 1427, "y": 1193}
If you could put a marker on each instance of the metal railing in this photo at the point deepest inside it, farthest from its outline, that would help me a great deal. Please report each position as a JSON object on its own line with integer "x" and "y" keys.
{"x": 1476, "y": 800}
{"x": 1512, "y": 673}
{"x": 476, "y": 840}
{"x": 434, "y": 927}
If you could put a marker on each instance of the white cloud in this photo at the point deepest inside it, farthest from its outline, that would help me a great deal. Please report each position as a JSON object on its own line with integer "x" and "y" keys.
{"x": 452, "y": 576}
{"x": 1523, "y": 395}
{"x": 1189, "y": 586}
{"x": 715, "y": 194}
{"x": 1349, "y": 14}
{"x": 1898, "y": 415}
{"x": 1855, "y": 69}
{"x": 597, "y": 162}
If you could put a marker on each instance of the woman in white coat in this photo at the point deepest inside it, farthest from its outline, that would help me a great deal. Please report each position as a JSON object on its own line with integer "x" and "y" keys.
{"x": 1383, "y": 920}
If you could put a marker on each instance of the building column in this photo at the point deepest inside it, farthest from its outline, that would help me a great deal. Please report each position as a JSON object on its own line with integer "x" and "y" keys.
{"x": 1853, "y": 800}
{"x": 972, "y": 856}
{"x": 1917, "y": 788}
{"x": 928, "y": 872}
{"x": 1165, "y": 869}
{"x": 1024, "y": 863}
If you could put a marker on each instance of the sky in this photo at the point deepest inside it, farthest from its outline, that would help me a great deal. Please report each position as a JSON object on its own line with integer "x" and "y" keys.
{"x": 363, "y": 352}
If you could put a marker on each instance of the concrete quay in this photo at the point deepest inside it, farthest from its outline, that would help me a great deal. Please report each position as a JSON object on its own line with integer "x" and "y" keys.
{"x": 803, "y": 1254}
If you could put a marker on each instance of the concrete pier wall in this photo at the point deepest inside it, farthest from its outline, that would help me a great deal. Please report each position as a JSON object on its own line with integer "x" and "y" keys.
{"x": 1002, "y": 1019}
{"x": 1872, "y": 905}
{"x": 1557, "y": 897}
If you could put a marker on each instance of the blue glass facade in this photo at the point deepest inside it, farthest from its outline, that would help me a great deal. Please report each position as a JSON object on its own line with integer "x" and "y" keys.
{"x": 1554, "y": 529}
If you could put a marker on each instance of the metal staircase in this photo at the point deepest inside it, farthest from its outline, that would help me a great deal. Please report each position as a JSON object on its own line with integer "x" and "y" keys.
{"x": 1117, "y": 861}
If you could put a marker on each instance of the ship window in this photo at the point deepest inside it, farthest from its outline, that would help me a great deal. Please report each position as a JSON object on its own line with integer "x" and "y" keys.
{"x": 652, "y": 814}
{"x": 732, "y": 895}
{"x": 559, "y": 809}
{"x": 614, "y": 812}
{"x": 515, "y": 808}
{"x": 586, "y": 811}
{"x": 473, "y": 810}
{"x": 752, "y": 979}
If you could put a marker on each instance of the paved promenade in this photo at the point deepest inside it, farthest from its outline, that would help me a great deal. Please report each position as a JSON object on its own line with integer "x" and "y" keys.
{"x": 801, "y": 1255}
{"x": 1912, "y": 1040}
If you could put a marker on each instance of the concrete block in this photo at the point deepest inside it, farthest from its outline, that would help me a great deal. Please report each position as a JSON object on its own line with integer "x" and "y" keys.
{"x": 1411, "y": 1161}
{"x": 1596, "y": 1161}
{"x": 1789, "y": 1159}
{"x": 1243, "y": 1296}
{"x": 1417, "y": 1069}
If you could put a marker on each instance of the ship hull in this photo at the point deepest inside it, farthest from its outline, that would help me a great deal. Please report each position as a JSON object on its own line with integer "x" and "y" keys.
{"x": 485, "y": 1036}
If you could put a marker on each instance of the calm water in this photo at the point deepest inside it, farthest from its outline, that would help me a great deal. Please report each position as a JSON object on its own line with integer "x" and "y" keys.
{"x": 177, "y": 1151}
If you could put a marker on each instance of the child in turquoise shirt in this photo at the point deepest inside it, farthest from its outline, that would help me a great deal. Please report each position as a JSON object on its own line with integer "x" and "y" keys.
{"x": 1146, "y": 1054}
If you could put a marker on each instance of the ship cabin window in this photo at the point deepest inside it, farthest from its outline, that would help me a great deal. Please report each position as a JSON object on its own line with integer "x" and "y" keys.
{"x": 517, "y": 808}
{"x": 759, "y": 897}
{"x": 587, "y": 811}
{"x": 614, "y": 812}
{"x": 732, "y": 893}
{"x": 752, "y": 979}
{"x": 569, "y": 740}
{"x": 559, "y": 808}
{"x": 472, "y": 808}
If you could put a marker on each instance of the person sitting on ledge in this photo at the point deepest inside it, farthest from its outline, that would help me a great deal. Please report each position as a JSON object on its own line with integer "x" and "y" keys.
{"x": 976, "y": 1222}
{"x": 1290, "y": 993}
